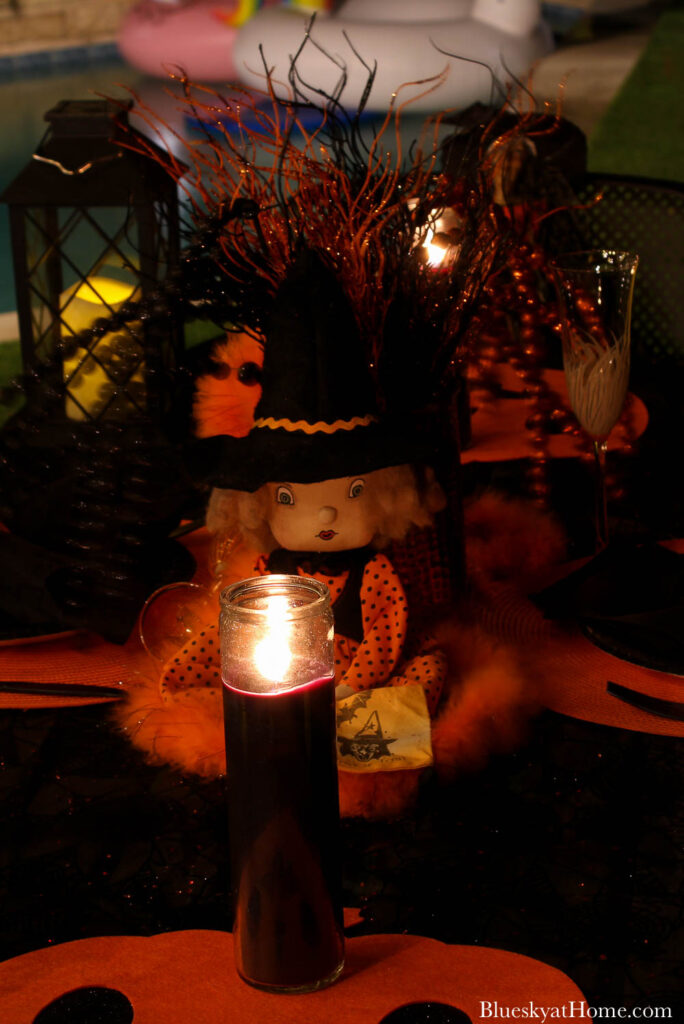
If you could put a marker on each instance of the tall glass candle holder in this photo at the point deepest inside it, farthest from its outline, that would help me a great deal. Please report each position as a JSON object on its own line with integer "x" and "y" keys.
{"x": 279, "y": 711}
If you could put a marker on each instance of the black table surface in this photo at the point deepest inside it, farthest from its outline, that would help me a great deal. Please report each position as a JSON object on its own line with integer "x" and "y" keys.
{"x": 569, "y": 850}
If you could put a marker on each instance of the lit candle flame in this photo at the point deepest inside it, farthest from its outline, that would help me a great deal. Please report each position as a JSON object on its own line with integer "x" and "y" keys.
{"x": 272, "y": 654}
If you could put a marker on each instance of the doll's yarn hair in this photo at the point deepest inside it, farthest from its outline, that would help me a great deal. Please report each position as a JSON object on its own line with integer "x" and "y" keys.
{"x": 403, "y": 498}
{"x": 240, "y": 514}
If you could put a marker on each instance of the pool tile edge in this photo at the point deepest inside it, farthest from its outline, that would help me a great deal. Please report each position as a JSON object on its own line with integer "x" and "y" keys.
{"x": 32, "y": 62}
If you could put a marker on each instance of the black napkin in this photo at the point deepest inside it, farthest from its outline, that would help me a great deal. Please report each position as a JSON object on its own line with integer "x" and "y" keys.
{"x": 629, "y": 600}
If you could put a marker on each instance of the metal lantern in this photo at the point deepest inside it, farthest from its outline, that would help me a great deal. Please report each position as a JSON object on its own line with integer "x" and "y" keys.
{"x": 95, "y": 228}
{"x": 91, "y": 482}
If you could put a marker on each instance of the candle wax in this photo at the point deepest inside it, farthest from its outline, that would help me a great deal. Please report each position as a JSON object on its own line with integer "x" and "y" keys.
{"x": 284, "y": 834}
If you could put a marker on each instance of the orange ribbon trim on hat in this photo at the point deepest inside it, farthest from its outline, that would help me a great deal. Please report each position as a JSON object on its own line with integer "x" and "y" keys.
{"x": 319, "y": 427}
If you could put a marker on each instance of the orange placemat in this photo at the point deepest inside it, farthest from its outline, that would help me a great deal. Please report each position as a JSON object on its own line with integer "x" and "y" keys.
{"x": 498, "y": 426}
{"x": 183, "y": 977}
{"x": 82, "y": 658}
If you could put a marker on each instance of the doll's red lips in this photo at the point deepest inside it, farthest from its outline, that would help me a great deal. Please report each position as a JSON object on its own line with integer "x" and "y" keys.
{"x": 327, "y": 534}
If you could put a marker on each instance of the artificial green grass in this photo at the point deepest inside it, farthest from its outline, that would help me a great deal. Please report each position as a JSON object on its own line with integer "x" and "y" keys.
{"x": 642, "y": 132}
{"x": 10, "y": 367}
{"x": 10, "y": 361}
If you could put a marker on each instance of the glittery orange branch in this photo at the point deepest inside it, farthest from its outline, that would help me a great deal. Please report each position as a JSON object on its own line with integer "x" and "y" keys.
{"x": 267, "y": 184}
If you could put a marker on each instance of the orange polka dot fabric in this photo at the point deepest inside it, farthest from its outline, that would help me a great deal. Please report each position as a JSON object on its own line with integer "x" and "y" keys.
{"x": 372, "y": 662}
{"x": 384, "y": 612}
{"x": 198, "y": 664}
{"x": 429, "y": 670}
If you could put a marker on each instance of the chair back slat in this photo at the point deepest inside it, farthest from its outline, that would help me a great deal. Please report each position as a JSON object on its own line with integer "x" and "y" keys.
{"x": 647, "y": 217}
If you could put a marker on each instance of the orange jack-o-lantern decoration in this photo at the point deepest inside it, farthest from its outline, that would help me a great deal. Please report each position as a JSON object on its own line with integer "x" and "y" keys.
{"x": 226, "y": 398}
{"x": 178, "y": 977}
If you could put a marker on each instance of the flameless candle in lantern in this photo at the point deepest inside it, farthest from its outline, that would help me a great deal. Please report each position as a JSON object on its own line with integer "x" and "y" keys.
{"x": 94, "y": 376}
{"x": 95, "y": 193}
{"x": 279, "y": 704}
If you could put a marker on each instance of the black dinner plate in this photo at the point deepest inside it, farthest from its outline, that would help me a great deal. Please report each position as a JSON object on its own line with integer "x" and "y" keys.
{"x": 42, "y": 610}
{"x": 653, "y": 651}
{"x": 12, "y": 631}
{"x": 629, "y": 601}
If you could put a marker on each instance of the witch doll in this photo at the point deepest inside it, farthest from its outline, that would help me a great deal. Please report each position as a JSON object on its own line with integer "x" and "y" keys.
{"x": 312, "y": 245}
{"x": 322, "y": 482}
{"x": 326, "y": 484}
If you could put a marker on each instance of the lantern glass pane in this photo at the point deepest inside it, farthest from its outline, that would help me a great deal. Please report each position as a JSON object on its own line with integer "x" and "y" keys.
{"x": 85, "y": 264}
{"x": 43, "y": 281}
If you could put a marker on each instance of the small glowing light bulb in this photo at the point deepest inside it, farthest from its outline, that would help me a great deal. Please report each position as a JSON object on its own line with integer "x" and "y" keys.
{"x": 435, "y": 254}
{"x": 434, "y": 250}
{"x": 272, "y": 654}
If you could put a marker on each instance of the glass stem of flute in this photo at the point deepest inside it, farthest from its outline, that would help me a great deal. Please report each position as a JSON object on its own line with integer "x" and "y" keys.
{"x": 601, "y": 495}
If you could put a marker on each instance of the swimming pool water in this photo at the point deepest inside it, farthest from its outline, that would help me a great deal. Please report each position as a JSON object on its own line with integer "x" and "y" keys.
{"x": 24, "y": 100}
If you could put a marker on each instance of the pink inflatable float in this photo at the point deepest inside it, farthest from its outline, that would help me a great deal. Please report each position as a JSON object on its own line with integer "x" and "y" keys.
{"x": 409, "y": 40}
{"x": 197, "y": 35}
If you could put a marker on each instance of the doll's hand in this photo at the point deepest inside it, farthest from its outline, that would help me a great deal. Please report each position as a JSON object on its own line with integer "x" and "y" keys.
{"x": 342, "y": 691}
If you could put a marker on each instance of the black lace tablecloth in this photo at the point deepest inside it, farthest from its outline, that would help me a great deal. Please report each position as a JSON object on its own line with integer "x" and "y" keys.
{"x": 569, "y": 851}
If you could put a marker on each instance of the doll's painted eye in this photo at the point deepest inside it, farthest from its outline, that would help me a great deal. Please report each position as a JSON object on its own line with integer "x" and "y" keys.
{"x": 284, "y": 495}
{"x": 356, "y": 488}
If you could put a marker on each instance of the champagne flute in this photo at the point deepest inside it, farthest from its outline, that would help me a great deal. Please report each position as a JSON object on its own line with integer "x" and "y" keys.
{"x": 595, "y": 290}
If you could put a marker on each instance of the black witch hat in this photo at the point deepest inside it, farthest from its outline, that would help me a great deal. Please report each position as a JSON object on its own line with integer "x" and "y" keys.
{"x": 318, "y": 416}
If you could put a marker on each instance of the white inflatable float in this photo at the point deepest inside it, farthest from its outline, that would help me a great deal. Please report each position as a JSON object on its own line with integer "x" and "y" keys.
{"x": 408, "y": 41}
{"x": 216, "y": 43}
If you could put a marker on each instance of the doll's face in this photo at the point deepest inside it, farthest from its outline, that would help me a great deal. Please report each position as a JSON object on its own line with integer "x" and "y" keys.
{"x": 333, "y": 515}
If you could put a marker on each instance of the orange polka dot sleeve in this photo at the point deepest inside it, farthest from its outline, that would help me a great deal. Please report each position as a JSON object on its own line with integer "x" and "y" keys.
{"x": 385, "y": 615}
